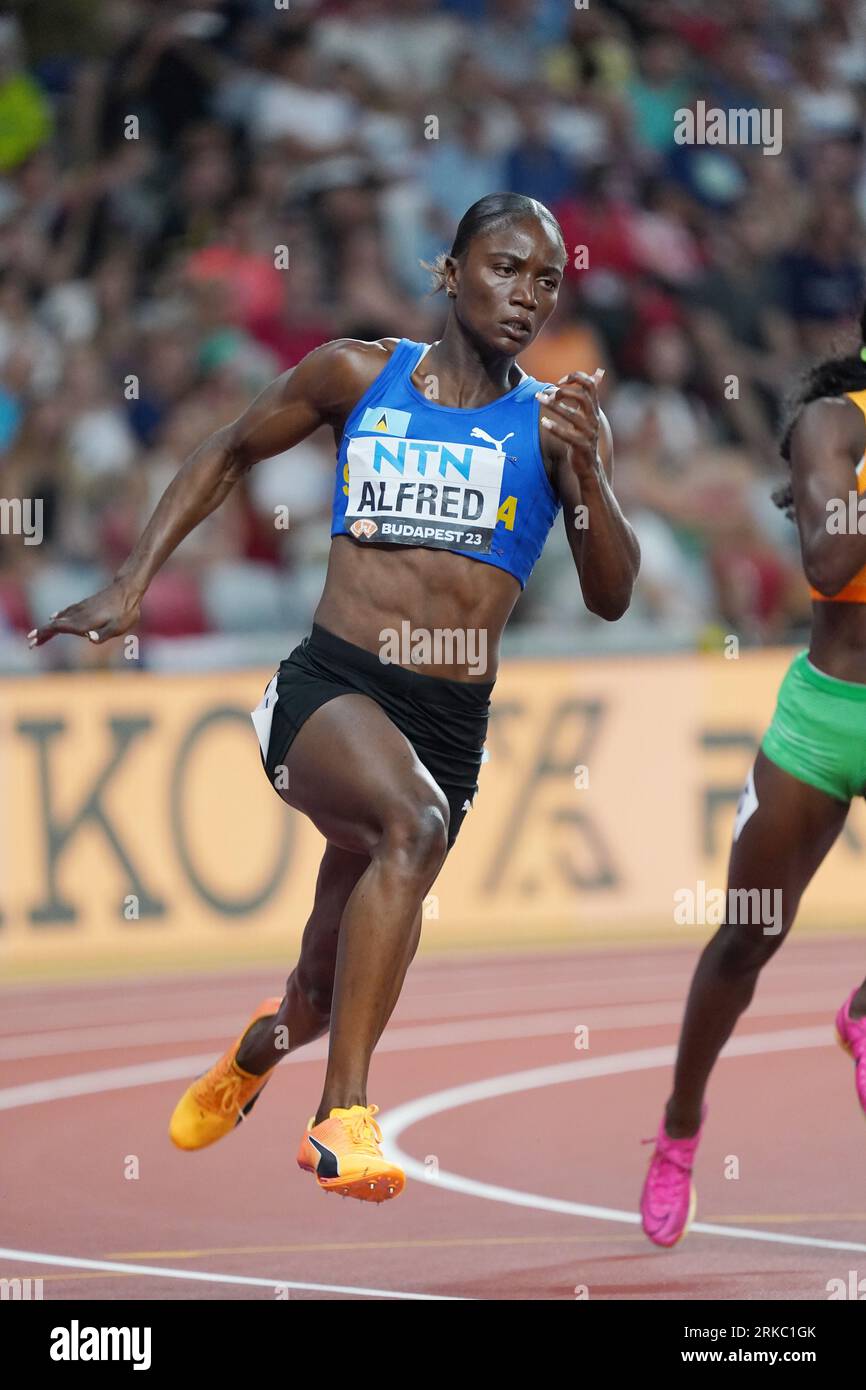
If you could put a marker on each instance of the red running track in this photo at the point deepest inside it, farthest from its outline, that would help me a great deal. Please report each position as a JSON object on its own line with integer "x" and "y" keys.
{"x": 524, "y": 1153}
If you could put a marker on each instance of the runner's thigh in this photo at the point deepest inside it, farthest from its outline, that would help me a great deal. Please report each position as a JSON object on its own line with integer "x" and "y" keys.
{"x": 357, "y": 777}
{"x": 784, "y": 829}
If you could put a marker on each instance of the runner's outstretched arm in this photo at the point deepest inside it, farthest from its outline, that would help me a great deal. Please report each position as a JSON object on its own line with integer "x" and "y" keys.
{"x": 287, "y": 411}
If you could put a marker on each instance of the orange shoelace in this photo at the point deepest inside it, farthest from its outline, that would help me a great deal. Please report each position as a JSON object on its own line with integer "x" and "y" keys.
{"x": 226, "y": 1092}
{"x": 365, "y": 1133}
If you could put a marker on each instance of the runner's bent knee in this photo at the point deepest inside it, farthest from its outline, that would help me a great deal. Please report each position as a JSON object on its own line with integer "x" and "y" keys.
{"x": 415, "y": 832}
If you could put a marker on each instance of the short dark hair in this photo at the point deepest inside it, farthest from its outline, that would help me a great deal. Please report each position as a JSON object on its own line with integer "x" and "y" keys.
{"x": 488, "y": 212}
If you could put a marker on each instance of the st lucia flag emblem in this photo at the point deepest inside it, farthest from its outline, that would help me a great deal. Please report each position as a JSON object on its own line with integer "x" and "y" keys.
{"x": 384, "y": 419}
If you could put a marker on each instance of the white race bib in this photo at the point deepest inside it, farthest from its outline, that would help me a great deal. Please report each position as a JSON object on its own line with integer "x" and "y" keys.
{"x": 423, "y": 492}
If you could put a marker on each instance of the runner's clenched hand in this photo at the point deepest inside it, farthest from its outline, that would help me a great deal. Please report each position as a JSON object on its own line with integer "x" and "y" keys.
{"x": 571, "y": 413}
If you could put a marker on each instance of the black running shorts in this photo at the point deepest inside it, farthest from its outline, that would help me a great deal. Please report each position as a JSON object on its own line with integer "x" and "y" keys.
{"x": 445, "y": 721}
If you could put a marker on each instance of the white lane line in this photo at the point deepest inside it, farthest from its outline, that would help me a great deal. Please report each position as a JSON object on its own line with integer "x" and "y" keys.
{"x": 601, "y": 1017}
{"x": 396, "y": 1121}
{"x": 437, "y": 1008}
{"x": 177, "y": 1068}
{"x": 95, "y": 1082}
{"x": 440, "y": 1003}
{"x": 564, "y": 991}
{"x": 418, "y": 1037}
{"x": 108, "y": 1036}
{"x": 414, "y": 1038}
{"x": 111, "y": 1012}
{"x": 160, "y": 1272}
{"x": 21, "y": 1047}
{"x": 140, "y": 1011}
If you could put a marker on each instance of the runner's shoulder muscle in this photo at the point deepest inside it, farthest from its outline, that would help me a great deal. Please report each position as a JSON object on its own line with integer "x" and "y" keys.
{"x": 321, "y": 390}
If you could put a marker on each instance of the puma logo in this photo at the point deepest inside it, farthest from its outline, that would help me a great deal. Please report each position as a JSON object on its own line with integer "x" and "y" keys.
{"x": 476, "y": 433}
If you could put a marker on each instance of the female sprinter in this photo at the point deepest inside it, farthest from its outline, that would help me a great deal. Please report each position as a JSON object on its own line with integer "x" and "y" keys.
{"x": 443, "y": 500}
{"x": 812, "y": 761}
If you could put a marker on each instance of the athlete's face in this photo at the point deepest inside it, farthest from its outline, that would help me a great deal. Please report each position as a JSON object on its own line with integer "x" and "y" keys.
{"x": 507, "y": 283}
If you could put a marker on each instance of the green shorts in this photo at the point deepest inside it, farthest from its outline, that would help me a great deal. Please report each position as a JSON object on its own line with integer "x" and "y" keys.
{"x": 818, "y": 733}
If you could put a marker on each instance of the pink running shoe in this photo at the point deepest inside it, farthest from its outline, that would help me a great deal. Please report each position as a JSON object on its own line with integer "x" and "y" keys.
{"x": 669, "y": 1201}
{"x": 851, "y": 1033}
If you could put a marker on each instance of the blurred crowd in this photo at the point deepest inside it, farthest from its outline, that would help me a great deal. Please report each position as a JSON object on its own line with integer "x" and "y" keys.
{"x": 196, "y": 193}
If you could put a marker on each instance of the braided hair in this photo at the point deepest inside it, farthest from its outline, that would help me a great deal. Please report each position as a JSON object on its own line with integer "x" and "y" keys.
{"x": 831, "y": 378}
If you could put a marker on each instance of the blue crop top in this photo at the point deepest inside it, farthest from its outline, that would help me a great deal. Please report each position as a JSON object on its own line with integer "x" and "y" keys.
{"x": 413, "y": 472}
